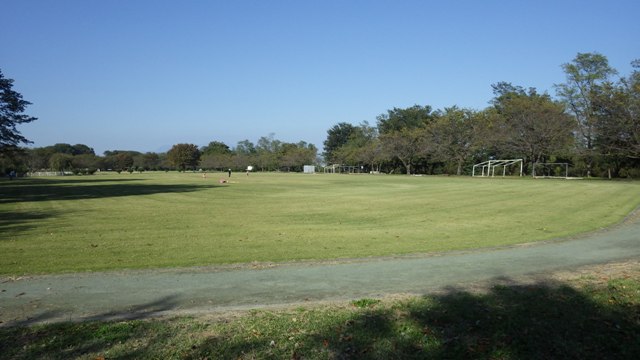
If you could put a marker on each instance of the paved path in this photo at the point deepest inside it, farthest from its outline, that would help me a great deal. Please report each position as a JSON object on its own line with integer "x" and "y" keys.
{"x": 137, "y": 294}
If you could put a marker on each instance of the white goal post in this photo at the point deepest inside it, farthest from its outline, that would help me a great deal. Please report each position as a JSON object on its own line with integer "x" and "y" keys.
{"x": 488, "y": 168}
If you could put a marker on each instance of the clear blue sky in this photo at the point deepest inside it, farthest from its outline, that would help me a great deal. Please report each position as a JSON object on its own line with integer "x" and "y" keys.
{"x": 146, "y": 74}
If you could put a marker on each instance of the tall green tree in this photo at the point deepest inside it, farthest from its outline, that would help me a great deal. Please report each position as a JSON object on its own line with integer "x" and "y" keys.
{"x": 218, "y": 162}
{"x": 85, "y": 164}
{"x": 586, "y": 76}
{"x": 362, "y": 148}
{"x": 267, "y": 149}
{"x": 12, "y": 108}
{"x": 453, "y": 136}
{"x": 403, "y": 134}
{"x": 245, "y": 147}
{"x": 60, "y": 162}
{"x": 617, "y": 107}
{"x": 533, "y": 125}
{"x": 123, "y": 162}
{"x": 406, "y": 145}
{"x": 245, "y": 154}
{"x": 216, "y": 155}
{"x": 147, "y": 161}
{"x": 295, "y": 156}
{"x": 373, "y": 154}
{"x": 38, "y": 158}
{"x": 337, "y": 136}
{"x": 184, "y": 156}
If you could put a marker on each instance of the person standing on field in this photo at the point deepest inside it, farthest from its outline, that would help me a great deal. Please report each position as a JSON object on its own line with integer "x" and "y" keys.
{"x": 229, "y": 172}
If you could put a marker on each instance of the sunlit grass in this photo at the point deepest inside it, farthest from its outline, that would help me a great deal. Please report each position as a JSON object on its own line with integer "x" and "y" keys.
{"x": 180, "y": 219}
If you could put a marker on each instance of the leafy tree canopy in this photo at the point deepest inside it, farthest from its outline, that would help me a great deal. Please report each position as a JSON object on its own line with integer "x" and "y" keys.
{"x": 617, "y": 108}
{"x": 530, "y": 125}
{"x": 216, "y": 147}
{"x": 337, "y": 136}
{"x": 586, "y": 76}
{"x": 12, "y": 108}
{"x": 78, "y": 149}
{"x": 399, "y": 119}
{"x": 184, "y": 156}
{"x": 245, "y": 147}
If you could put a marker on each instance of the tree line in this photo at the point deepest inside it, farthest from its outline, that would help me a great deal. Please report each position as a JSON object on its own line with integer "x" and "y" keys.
{"x": 269, "y": 154}
{"x": 592, "y": 124}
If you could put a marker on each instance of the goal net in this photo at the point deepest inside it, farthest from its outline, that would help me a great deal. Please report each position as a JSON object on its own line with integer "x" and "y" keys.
{"x": 550, "y": 170}
{"x": 504, "y": 168}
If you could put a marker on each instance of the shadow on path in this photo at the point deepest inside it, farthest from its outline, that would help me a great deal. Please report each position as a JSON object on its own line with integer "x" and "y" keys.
{"x": 143, "y": 311}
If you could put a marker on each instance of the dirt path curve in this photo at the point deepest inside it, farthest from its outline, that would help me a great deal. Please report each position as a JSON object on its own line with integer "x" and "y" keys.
{"x": 138, "y": 294}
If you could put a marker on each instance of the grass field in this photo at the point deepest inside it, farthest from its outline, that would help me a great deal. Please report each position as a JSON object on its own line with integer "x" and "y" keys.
{"x": 117, "y": 221}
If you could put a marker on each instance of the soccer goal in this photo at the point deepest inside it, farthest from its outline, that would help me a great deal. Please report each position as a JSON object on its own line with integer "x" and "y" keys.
{"x": 488, "y": 168}
{"x": 550, "y": 171}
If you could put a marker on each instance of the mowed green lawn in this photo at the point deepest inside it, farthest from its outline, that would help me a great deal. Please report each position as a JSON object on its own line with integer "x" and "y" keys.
{"x": 105, "y": 222}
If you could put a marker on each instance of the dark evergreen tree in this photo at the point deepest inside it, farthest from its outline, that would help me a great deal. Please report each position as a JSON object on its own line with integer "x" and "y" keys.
{"x": 12, "y": 108}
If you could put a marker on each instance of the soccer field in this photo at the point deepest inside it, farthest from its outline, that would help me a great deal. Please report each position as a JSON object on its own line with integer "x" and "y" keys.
{"x": 124, "y": 221}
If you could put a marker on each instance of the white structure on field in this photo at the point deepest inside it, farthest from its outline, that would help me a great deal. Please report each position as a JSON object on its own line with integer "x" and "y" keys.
{"x": 309, "y": 169}
{"x": 488, "y": 168}
{"x": 343, "y": 169}
{"x": 550, "y": 170}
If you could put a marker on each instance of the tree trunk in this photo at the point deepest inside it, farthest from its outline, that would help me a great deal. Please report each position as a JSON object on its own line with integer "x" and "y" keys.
{"x": 459, "y": 172}
{"x": 407, "y": 165}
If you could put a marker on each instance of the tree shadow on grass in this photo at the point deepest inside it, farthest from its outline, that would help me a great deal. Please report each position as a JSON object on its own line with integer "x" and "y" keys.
{"x": 532, "y": 322}
{"x": 61, "y": 180}
{"x": 12, "y": 222}
{"x": 538, "y": 321}
{"x": 92, "y": 334}
{"x": 73, "y": 189}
